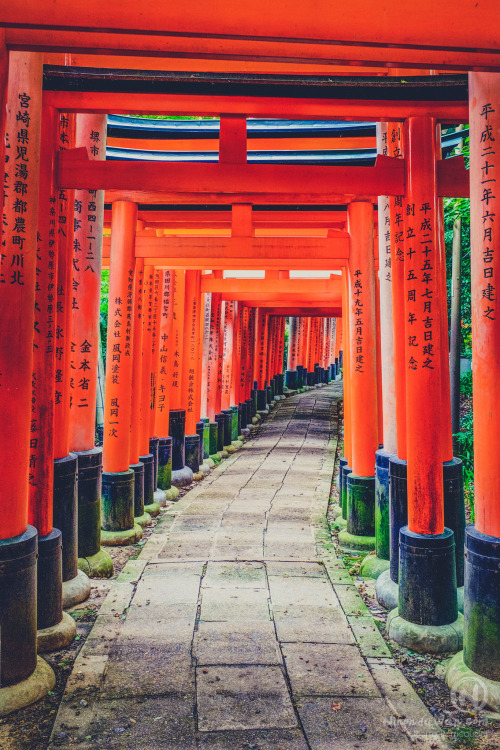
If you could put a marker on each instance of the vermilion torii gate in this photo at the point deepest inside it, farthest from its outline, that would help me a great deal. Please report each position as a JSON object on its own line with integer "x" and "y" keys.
{"x": 156, "y": 287}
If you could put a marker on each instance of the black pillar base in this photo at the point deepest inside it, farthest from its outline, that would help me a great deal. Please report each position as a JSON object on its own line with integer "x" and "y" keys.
{"x": 192, "y": 451}
{"x": 482, "y": 604}
{"x": 89, "y": 502}
{"x": 149, "y": 478}
{"x": 66, "y": 512}
{"x": 300, "y": 376}
{"x": 310, "y": 379}
{"x": 250, "y": 414}
{"x": 228, "y": 427}
{"x": 117, "y": 509}
{"x": 49, "y": 580}
{"x": 164, "y": 463}
{"x": 280, "y": 382}
{"x": 200, "y": 431}
{"x": 454, "y": 510}
{"x": 153, "y": 448}
{"x": 427, "y": 578}
{"x": 177, "y": 423}
{"x": 18, "y": 610}
{"x": 219, "y": 418}
{"x": 254, "y": 399}
{"x": 269, "y": 394}
{"x": 138, "y": 470}
{"x": 261, "y": 399}
{"x": 398, "y": 509}
{"x": 291, "y": 380}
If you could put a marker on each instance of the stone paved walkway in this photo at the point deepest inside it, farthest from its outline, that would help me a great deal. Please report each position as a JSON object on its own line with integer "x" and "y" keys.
{"x": 238, "y": 627}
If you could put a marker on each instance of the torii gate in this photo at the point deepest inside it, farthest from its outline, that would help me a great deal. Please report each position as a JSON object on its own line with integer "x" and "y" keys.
{"x": 409, "y": 41}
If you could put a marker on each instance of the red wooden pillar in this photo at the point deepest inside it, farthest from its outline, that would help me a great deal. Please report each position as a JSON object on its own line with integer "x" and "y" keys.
{"x": 141, "y": 516}
{"x": 261, "y": 329}
{"x": 424, "y": 599}
{"x": 207, "y": 306}
{"x": 18, "y": 612}
{"x": 227, "y": 355}
{"x": 363, "y": 379}
{"x": 41, "y": 465}
{"x": 163, "y": 375}
{"x": 177, "y": 401}
{"x": 84, "y": 230}
{"x": 191, "y": 350}
{"x": 118, "y": 478}
{"x": 144, "y": 355}
{"x": 237, "y": 342}
{"x": 213, "y": 403}
{"x": 396, "y": 230}
{"x": 482, "y": 540}
{"x": 191, "y": 367}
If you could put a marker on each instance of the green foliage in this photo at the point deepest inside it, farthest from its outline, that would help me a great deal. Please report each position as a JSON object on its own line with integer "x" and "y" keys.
{"x": 466, "y": 384}
{"x": 103, "y": 316}
{"x": 454, "y": 208}
{"x": 465, "y": 442}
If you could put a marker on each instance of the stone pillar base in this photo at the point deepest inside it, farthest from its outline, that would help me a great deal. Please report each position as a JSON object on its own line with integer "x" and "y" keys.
{"x": 121, "y": 538}
{"x": 465, "y": 683}
{"x": 182, "y": 477}
{"x": 387, "y": 591}
{"x": 153, "y": 509}
{"x": 354, "y": 543}
{"x": 99, "y": 565}
{"x": 172, "y": 494}
{"x": 75, "y": 590}
{"x": 143, "y": 520}
{"x": 57, "y": 636}
{"x": 28, "y": 691}
{"x": 426, "y": 639}
{"x": 373, "y": 566}
{"x": 160, "y": 497}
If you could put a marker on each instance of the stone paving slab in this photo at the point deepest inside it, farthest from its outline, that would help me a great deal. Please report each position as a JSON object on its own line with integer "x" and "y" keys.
{"x": 248, "y": 697}
{"x": 238, "y": 627}
{"x": 236, "y": 643}
{"x": 328, "y": 669}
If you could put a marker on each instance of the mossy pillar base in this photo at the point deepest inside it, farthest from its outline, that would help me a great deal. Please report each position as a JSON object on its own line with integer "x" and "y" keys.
{"x": 340, "y": 480}
{"x": 235, "y": 423}
{"x": 28, "y": 691}
{"x": 454, "y": 510}
{"x": 346, "y": 470}
{"x": 482, "y": 604}
{"x": 360, "y": 533}
{"x": 117, "y": 508}
{"x": 18, "y": 610}
{"x": 398, "y": 510}
{"x": 66, "y": 511}
{"x": 213, "y": 442}
{"x": 382, "y": 525}
{"x": 165, "y": 463}
{"x": 200, "y": 431}
{"x": 206, "y": 437}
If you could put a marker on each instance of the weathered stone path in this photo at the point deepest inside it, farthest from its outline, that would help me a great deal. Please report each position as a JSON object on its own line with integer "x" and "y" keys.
{"x": 238, "y": 627}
